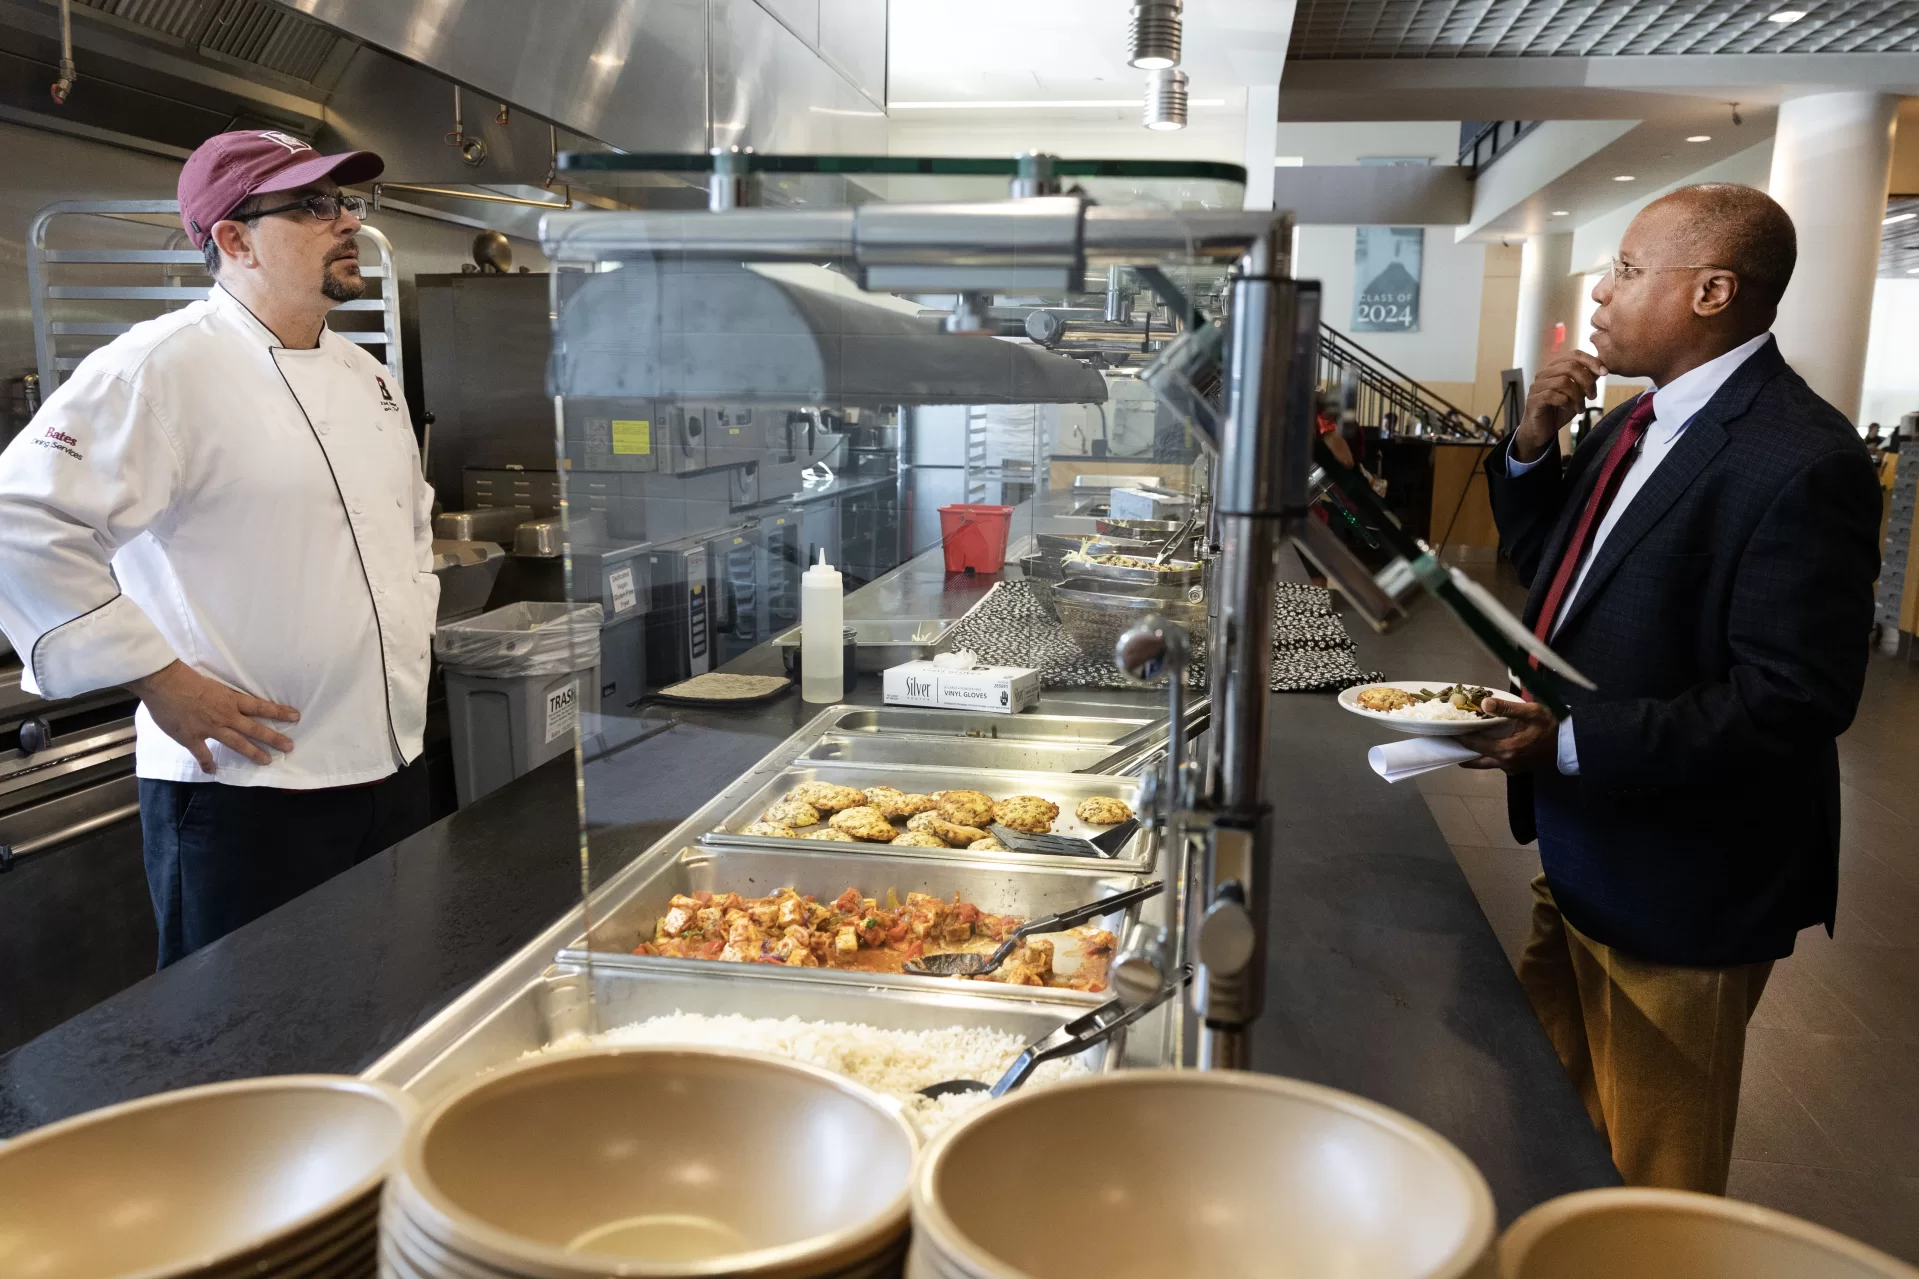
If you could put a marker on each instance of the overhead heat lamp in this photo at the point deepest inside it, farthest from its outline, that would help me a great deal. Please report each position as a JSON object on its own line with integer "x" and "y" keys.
{"x": 1153, "y": 35}
{"x": 1166, "y": 99}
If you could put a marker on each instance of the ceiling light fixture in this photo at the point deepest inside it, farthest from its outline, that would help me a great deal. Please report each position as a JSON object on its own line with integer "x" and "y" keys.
{"x": 1625, "y": 177}
{"x": 1899, "y": 217}
{"x": 1152, "y": 35}
{"x": 1562, "y": 213}
{"x": 1786, "y": 16}
{"x": 1036, "y": 104}
{"x": 1165, "y": 99}
{"x": 1700, "y": 137}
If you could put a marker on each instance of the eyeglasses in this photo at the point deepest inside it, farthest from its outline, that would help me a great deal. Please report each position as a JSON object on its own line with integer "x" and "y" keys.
{"x": 1624, "y": 270}
{"x": 324, "y": 208}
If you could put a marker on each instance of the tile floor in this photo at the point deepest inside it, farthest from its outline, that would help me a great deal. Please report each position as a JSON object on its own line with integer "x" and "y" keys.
{"x": 1829, "y": 1110}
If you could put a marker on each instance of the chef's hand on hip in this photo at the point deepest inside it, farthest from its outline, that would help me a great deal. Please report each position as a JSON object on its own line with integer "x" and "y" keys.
{"x": 1557, "y": 394}
{"x": 193, "y": 710}
{"x": 1529, "y": 741}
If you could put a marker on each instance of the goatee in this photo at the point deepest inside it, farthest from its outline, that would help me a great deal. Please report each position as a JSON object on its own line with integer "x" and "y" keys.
{"x": 351, "y": 289}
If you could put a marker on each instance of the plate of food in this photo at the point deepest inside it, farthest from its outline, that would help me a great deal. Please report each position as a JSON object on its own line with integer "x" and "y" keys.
{"x": 1424, "y": 707}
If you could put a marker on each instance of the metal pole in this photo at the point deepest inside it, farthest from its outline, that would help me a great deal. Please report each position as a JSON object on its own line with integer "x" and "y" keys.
{"x": 1261, "y": 490}
{"x": 1252, "y": 503}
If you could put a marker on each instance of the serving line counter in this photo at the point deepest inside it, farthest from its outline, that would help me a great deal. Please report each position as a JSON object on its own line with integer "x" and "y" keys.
{"x": 1384, "y": 978}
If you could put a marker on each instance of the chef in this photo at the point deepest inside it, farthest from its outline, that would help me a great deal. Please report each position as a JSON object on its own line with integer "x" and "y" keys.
{"x": 223, "y": 511}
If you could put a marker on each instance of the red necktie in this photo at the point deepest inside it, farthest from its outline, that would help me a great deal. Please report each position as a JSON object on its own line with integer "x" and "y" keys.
{"x": 1611, "y": 472}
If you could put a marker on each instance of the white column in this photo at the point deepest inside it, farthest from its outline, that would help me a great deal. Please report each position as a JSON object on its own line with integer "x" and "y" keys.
{"x": 1262, "y": 141}
{"x": 1548, "y": 298}
{"x": 1831, "y": 161}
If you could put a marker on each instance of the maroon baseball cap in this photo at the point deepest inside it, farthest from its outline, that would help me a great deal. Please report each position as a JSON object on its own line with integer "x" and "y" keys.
{"x": 228, "y": 167}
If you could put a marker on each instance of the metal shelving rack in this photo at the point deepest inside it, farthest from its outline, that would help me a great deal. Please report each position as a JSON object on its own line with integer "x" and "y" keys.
{"x": 61, "y": 341}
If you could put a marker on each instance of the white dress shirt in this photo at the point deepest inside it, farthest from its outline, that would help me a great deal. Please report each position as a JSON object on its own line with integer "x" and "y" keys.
{"x": 1673, "y": 406}
{"x": 196, "y": 491}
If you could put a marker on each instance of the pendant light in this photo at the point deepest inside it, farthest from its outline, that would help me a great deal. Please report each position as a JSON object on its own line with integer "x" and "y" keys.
{"x": 1166, "y": 99}
{"x": 1153, "y": 34}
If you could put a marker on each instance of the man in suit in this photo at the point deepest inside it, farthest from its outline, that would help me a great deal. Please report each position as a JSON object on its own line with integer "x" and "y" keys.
{"x": 1707, "y": 558}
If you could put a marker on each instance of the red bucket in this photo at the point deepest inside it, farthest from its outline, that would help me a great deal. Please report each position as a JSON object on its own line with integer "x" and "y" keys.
{"x": 975, "y": 536}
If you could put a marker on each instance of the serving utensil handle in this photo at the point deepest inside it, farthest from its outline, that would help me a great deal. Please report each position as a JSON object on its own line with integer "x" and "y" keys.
{"x": 1093, "y": 910}
{"x": 1081, "y": 1033}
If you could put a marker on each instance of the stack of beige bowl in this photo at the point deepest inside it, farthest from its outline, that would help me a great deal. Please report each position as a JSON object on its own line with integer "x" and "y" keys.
{"x": 652, "y": 1161}
{"x": 1223, "y": 1174}
{"x": 274, "y": 1178}
{"x": 1670, "y": 1234}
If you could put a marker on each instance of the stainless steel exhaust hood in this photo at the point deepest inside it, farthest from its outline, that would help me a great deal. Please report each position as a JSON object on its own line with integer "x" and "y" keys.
{"x": 655, "y": 329}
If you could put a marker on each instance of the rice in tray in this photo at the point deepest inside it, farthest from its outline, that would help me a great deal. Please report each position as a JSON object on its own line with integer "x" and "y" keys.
{"x": 894, "y": 1062}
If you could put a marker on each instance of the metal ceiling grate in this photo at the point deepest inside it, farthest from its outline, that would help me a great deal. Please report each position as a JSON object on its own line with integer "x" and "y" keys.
{"x": 245, "y": 30}
{"x": 1335, "y": 29}
{"x": 272, "y": 38}
{"x": 181, "y": 19}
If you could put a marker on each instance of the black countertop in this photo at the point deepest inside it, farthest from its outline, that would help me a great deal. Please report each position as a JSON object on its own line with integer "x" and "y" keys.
{"x": 1383, "y": 976}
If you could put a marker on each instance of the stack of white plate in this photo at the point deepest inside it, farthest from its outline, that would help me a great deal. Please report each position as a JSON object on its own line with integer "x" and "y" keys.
{"x": 1671, "y": 1234}
{"x": 275, "y": 1178}
{"x": 1155, "y": 1173}
{"x": 652, "y": 1161}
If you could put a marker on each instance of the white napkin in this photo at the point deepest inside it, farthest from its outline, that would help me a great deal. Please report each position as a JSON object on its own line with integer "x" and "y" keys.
{"x": 1396, "y": 761}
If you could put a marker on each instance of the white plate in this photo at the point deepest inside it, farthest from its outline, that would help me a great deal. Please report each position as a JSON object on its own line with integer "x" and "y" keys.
{"x": 1349, "y": 699}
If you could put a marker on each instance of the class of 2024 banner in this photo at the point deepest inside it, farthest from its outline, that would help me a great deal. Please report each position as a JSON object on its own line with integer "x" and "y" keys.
{"x": 1386, "y": 265}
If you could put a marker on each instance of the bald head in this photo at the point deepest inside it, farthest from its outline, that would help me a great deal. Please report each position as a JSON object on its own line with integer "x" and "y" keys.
{"x": 1732, "y": 226}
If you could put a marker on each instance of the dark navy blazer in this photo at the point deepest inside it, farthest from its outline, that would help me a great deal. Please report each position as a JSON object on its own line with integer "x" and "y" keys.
{"x": 1725, "y": 619}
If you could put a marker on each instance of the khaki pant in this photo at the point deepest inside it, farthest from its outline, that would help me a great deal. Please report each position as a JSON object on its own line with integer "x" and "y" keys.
{"x": 1654, "y": 1049}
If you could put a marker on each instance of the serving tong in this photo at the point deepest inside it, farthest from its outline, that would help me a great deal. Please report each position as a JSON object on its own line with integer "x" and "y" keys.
{"x": 1105, "y": 844}
{"x": 1070, "y": 1040}
{"x": 967, "y": 963}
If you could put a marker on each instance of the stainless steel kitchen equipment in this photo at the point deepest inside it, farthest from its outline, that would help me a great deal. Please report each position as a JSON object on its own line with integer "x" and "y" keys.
{"x": 880, "y": 642}
{"x": 58, "y": 278}
{"x": 467, "y": 571}
{"x": 1080, "y": 1035}
{"x": 496, "y": 524}
{"x": 1064, "y": 789}
{"x": 824, "y": 871}
{"x": 660, "y": 317}
{"x": 559, "y": 1005}
{"x": 964, "y": 740}
{"x": 679, "y": 626}
{"x": 973, "y": 964}
{"x": 553, "y": 990}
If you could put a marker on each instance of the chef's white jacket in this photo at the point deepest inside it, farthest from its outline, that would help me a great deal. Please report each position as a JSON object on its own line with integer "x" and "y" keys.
{"x": 198, "y": 491}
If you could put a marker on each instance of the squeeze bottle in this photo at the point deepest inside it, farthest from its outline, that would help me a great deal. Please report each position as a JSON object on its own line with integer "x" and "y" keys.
{"x": 822, "y": 634}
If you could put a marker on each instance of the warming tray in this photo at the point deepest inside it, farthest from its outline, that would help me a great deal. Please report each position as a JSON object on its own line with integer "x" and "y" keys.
{"x": 823, "y": 871}
{"x": 1025, "y": 727}
{"x": 878, "y": 642}
{"x": 966, "y": 739}
{"x": 567, "y": 999}
{"x": 1064, "y": 789}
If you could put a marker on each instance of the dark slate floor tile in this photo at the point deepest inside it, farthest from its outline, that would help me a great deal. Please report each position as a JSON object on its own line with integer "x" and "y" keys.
{"x": 1877, "y": 1210}
{"x": 1863, "y": 1093}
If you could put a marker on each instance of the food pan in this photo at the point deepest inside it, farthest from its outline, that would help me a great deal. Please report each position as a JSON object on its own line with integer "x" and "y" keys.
{"x": 926, "y": 736}
{"x": 932, "y": 721}
{"x": 567, "y": 1000}
{"x": 878, "y": 642}
{"x": 1174, "y": 573}
{"x": 824, "y": 871}
{"x": 1064, "y": 789}
{"x": 965, "y": 754}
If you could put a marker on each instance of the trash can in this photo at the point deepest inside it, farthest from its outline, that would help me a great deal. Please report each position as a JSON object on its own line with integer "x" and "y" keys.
{"x": 518, "y": 679}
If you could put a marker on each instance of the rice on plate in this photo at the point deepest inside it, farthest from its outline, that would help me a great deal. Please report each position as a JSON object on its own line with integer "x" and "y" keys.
{"x": 895, "y": 1062}
{"x": 1437, "y": 712}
